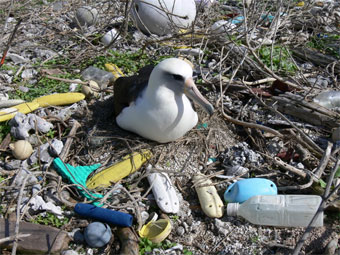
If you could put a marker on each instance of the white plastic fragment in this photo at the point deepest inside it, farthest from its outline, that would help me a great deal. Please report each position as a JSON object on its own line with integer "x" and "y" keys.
{"x": 221, "y": 27}
{"x": 164, "y": 192}
{"x": 37, "y": 203}
{"x": 109, "y": 36}
{"x": 190, "y": 51}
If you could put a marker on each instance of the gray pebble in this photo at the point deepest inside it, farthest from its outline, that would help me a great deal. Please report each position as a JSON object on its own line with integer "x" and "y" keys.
{"x": 43, "y": 155}
{"x": 56, "y": 147}
{"x": 28, "y": 74}
{"x": 69, "y": 252}
{"x": 39, "y": 123}
{"x": 17, "y": 59}
{"x": 180, "y": 231}
{"x": 24, "y": 89}
{"x": 12, "y": 165}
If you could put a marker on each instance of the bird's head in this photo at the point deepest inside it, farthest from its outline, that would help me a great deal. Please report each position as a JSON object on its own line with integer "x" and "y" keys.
{"x": 176, "y": 75}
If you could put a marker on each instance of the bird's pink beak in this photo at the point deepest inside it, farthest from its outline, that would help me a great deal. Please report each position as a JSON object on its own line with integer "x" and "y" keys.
{"x": 191, "y": 91}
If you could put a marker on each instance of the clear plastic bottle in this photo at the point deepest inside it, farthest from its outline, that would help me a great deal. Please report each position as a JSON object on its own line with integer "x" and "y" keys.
{"x": 329, "y": 99}
{"x": 279, "y": 210}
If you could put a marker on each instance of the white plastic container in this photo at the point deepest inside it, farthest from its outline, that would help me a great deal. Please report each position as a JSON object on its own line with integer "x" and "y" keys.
{"x": 279, "y": 210}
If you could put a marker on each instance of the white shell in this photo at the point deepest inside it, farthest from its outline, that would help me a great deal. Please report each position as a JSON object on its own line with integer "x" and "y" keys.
{"x": 164, "y": 192}
{"x": 21, "y": 149}
{"x": 156, "y": 16}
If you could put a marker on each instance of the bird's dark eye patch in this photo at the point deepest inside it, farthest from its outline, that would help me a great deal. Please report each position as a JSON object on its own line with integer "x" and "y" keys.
{"x": 178, "y": 77}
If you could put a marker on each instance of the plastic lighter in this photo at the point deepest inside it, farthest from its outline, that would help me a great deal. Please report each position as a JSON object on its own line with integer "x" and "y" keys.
{"x": 105, "y": 215}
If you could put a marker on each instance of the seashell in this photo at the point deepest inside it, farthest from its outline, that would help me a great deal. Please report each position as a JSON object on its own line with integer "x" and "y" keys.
{"x": 21, "y": 149}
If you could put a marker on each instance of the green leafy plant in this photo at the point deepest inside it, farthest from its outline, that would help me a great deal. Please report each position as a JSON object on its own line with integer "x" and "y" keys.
{"x": 174, "y": 217}
{"x": 254, "y": 239}
{"x": 44, "y": 86}
{"x": 187, "y": 252}
{"x": 4, "y": 130}
{"x": 51, "y": 133}
{"x": 278, "y": 60}
{"x": 146, "y": 246}
{"x": 326, "y": 43}
{"x": 50, "y": 219}
{"x": 129, "y": 62}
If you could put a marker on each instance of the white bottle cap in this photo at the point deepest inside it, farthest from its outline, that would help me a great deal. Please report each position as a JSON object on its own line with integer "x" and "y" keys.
{"x": 232, "y": 209}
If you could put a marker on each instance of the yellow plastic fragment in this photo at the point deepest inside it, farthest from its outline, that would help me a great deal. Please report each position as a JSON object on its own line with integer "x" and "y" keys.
{"x": 59, "y": 99}
{"x": 114, "y": 70}
{"x": 156, "y": 231}
{"x": 9, "y": 113}
{"x": 170, "y": 44}
{"x": 210, "y": 201}
{"x": 187, "y": 34}
{"x": 130, "y": 164}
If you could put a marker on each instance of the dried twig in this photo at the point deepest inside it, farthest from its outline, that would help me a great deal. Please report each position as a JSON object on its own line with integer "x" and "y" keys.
{"x": 17, "y": 222}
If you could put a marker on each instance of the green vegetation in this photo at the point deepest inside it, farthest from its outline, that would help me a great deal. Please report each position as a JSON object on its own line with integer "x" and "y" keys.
{"x": 327, "y": 44}
{"x": 129, "y": 62}
{"x": 50, "y": 219}
{"x": 51, "y": 133}
{"x": 174, "y": 217}
{"x": 146, "y": 246}
{"x": 4, "y": 130}
{"x": 278, "y": 60}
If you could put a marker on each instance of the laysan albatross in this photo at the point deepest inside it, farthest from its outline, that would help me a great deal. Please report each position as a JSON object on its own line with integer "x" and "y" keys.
{"x": 155, "y": 104}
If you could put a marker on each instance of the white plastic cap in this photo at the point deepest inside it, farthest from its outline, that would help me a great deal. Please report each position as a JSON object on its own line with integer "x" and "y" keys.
{"x": 232, "y": 209}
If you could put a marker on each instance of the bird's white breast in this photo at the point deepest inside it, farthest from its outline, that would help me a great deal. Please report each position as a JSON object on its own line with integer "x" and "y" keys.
{"x": 163, "y": 120}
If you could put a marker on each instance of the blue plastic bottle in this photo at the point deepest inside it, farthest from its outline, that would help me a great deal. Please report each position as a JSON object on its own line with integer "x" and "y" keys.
{"x": 242, "y": 190}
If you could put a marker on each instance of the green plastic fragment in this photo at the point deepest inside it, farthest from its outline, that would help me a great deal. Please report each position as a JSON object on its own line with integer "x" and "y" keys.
{"x": 77, "y": 175}
{"x": 203, "y": 125}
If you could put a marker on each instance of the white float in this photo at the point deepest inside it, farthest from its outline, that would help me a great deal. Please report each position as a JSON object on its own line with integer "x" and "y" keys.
{"x": 160, "y": 17}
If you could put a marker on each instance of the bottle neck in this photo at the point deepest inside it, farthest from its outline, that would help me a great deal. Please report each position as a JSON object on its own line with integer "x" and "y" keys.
{"x": 232, "y": 209}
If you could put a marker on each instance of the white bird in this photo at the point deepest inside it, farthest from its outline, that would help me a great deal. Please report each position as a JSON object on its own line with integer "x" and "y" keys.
{"x": 160, "y": 17}
{"x": 158, "y": 107}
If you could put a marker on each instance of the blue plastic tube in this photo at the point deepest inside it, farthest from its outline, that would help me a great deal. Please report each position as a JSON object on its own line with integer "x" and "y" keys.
{"x": 104, "y": 215}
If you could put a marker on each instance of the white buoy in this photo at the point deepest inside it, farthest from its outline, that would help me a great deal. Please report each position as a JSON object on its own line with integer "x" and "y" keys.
{"x": 160, "y": 17}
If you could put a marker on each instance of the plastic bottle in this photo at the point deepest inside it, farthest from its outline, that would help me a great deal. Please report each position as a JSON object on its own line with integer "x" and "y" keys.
{"x": 100, "y": 76}
{"x": 329, "y": 99}
{"x": 279, "y": 210}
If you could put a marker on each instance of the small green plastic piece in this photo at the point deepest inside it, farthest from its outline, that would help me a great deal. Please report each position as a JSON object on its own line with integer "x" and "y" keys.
{"x": 77, "y": 175}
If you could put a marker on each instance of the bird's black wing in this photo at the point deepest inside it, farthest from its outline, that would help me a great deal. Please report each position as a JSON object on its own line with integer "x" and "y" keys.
{"x": 128, "y": 89}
